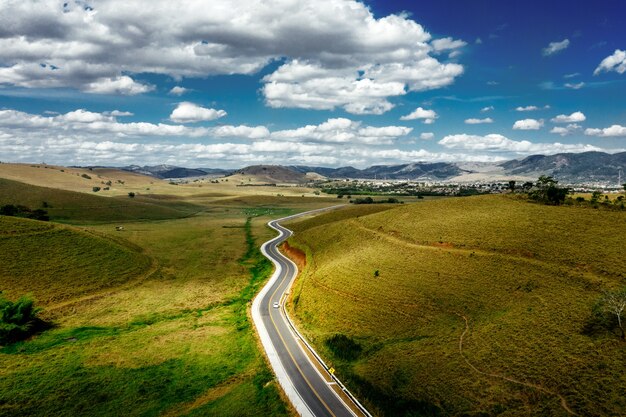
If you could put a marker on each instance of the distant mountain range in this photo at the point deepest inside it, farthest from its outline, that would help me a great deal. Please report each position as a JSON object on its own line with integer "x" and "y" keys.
{"x": 572, "y": 168}
{"x": 171, "y": 171}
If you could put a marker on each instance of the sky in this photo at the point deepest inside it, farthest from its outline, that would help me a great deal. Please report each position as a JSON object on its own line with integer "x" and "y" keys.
{"x": 222, "y": 84}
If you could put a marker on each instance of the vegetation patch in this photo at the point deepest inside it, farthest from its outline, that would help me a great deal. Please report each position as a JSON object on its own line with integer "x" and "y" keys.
{"x": 344, "y": 347}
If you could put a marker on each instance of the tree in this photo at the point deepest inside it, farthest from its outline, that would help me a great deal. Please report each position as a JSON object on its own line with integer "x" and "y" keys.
{"x": 18, "y": 319}
{"x": 548, "y": 192}
{"x": 614, "y": 303}
{"x": 131, "y": 194}
{"x": 512, "y": 186}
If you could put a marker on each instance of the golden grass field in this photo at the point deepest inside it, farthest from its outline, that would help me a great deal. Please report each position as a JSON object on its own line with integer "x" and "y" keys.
{"x": 479, "y": 306}
{"x": 150, "y": 320}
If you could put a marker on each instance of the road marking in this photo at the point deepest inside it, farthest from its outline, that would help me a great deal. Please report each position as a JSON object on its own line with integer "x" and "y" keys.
{"x": 289, "y": 351}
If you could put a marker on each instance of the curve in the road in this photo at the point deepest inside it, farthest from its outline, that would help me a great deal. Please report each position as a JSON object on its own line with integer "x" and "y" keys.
{"x": 313, "y": 391}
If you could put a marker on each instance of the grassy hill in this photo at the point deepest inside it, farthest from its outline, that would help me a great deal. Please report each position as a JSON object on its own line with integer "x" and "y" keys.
{"x": 75, "y": 207}
{"x": 474, "y": 306}
{"x": 58, "y": 263}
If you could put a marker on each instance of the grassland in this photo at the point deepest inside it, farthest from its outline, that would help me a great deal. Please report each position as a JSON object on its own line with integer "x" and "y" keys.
{"x": 150, "y": 320}
{"x": 480, "y": 306}
{"x": 74, "y": 207}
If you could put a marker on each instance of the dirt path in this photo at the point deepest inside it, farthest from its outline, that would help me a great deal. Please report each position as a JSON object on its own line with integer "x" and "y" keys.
{"x": 506, "y": 378}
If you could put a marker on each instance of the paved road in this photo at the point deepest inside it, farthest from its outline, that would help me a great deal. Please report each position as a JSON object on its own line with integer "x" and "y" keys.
{"x": 312, "y": 391}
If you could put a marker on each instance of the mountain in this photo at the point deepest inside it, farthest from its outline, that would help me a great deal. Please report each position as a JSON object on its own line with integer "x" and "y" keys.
{"x": 571, "y": 167}
{"x": 418, "y": 170}
{"x": 171, "y": 171}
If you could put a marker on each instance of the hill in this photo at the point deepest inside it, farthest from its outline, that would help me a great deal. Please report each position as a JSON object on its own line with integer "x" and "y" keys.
{"x": 273, "y": 174}
{"x": 74, "y": 207}
{"x": 486, "y": 301}
{"x": 57, "y": 263}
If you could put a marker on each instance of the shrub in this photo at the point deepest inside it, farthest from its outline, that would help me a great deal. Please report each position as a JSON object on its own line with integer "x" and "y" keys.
{"x": 131, "y": 194}
{"x": 96, "y": 189}
{"x": 18, "y": 320}
{"x": 86, "y": 176}
{"x": 344, "y": 347}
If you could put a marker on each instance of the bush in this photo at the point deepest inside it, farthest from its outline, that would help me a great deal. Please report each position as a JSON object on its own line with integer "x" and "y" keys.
{"x": 131, "y": 194}
{"x": 86, "y": 176}
{"x": 96, "y": 189}
{"x": 18, "y": 320}
{"x": 344, "y": 347}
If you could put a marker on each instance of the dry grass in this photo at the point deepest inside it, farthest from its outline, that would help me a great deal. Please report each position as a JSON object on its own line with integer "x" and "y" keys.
{"x": 525, "y": 275}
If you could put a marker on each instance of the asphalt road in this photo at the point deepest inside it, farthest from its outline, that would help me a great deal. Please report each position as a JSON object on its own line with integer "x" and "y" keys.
{"x": 311, "y": 390}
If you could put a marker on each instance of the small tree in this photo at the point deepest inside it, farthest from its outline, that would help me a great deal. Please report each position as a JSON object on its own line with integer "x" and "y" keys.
{"x": 377, "y": 273}
{"x": 18, "y": 320}
{"x": 131, "y": 194}
{"x": 512, "y": 186}
{"x": 614, "y": 303}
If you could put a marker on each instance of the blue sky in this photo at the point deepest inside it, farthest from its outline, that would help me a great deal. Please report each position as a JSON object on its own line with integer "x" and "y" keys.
{"x": 330, "y": 82}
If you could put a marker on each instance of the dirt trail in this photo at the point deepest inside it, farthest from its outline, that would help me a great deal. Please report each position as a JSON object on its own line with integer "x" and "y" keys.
{"x": 506, "y": 378}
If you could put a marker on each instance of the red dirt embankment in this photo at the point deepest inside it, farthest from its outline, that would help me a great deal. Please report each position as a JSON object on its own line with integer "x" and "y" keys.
{"x": 294, "y": 254}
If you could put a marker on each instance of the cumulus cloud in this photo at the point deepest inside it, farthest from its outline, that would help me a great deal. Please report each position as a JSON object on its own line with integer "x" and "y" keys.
{"x": 428, "y": 116}
{"x": 607, "y": 132}
{"x": 554, "y": 47}
{"x": 615, "y": 62}
{"x": 178, "y": 91}
{"x": 528, "y": 124}
{"x": 446, "y": 44}
{"x": 499, "y": 143}
{"x": 527, "y": 108}
{"x": 123, "y": 85}
{"x": 473, "y": 121}
{"x": 575, "y": 117}
{"x": 567, "y": 130}
{"x": 486, "y": 109}
{"x": 341, "y": 130}
{"x": 427, "y": 135}
{"x": 336, "y": 52}
{"x": 187, "y": 112}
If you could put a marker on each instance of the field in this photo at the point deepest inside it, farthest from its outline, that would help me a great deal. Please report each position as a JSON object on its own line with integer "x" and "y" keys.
{"x": 472, "y": 306}
{"x": 150, "y": 320}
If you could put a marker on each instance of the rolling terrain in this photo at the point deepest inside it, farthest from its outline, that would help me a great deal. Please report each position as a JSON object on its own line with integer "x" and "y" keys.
{"x": 149, "y": 320}
{"x": 473, "y": 306}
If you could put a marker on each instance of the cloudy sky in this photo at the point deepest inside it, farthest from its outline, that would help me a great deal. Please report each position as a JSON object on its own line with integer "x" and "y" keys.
{"x": 326, "y": 82}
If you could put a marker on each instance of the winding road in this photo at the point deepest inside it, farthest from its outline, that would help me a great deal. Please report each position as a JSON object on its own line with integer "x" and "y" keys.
{"x": 305, "y": 378}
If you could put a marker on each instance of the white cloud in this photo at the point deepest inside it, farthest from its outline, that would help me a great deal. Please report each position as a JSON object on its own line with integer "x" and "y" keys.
{"x": 615, "y": 62}
{"x": 187, "y": 112}
{"x": 612, "y": 131}
{"x": 554, "y": 47}
{"x": 336, "y": 52}
{"x": 575, "y": 117}
{"x": 473, "y": 121}
{"x": 499, "y": 143}
{"x": 123, "y": 85}
{"x": 427, "y": 135}
{"x": 576, "y": 86}
{"x": 527, "y": 108}
{"x": 486, "y": 109}
{"x": 528, "y": 124}
{"x": 572, "y": 75}
{"x": 567, "y": 130}
{"x": 428, "y": 116}
{"x": 446, "y": 44}
{"x": 119, "y": 113}
{"x": 341, "y": 130}
{"x": 178, "y": 91}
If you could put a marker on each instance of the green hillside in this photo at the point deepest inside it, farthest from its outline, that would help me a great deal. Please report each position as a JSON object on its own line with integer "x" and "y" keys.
{"x": 74, "y": 207}
{"x": 56, "y": 263}
{"x": 474, "y": 306}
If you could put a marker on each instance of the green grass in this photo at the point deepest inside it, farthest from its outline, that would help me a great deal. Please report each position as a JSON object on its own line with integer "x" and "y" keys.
{"x": 526, "y": 277}
{"x": 81, "y": 208}
{"x": 176, "y": 340}
{"x": 59, "y": 263}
